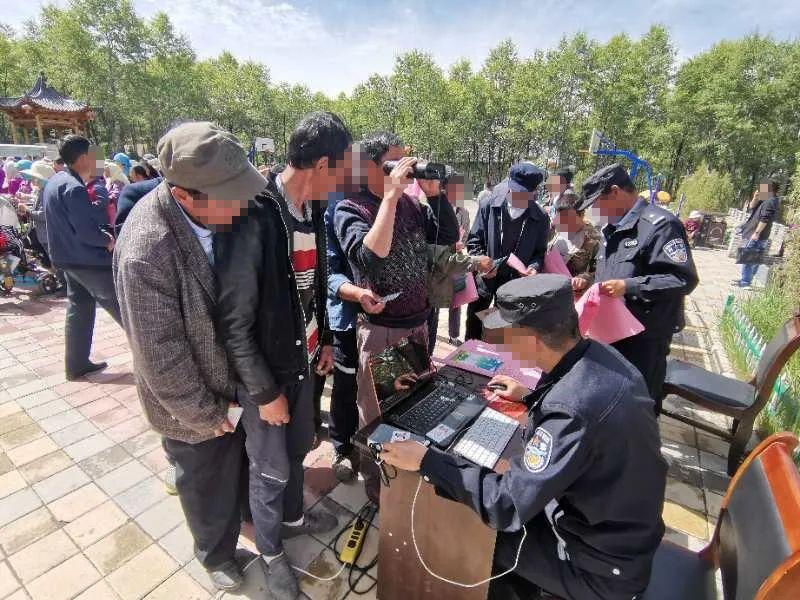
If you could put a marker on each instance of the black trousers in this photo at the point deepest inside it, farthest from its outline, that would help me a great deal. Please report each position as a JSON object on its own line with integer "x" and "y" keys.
{"x": 541, "y": 570}
{"x": 344, "y": 408}
{"x": 86, "y": 287}
{"x": 208, "y": 478}
{"x": 474, "y": 326}
{"x": 649, "y": 355}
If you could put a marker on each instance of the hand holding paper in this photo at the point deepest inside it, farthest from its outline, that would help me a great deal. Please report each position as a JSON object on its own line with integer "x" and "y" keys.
{"x": 516, "y": 264}
{"x": 604, "y": 318}
{"x": 553, "y": 263}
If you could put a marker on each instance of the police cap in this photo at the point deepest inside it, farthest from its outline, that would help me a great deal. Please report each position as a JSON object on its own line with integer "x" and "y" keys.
{"x": 532, "y": 301}
{"x": 600, "y": 183}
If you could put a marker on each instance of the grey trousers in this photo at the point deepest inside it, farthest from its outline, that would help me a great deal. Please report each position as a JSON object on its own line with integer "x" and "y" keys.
{"x": 276, "y": 455}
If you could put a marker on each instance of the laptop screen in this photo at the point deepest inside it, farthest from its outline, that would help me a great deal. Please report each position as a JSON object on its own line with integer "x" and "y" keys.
{"x": 396, "y": 368}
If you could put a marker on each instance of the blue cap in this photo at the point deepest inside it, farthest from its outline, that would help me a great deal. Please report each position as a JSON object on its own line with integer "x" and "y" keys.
{"x": 525, "y": 177}
{"x": 123, "y": 161}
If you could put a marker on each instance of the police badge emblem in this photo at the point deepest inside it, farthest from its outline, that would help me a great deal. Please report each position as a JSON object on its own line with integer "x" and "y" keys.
{"x": 676, "y": 250}
{"x": 538, "y": 451}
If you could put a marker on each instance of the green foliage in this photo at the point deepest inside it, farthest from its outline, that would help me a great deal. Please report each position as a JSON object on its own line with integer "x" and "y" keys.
{"x": 707, "y": 191}
{"x": 737, "y": 105}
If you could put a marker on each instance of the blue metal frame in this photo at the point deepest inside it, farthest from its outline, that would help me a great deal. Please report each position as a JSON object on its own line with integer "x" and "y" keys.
{"x": 636, "y": 164}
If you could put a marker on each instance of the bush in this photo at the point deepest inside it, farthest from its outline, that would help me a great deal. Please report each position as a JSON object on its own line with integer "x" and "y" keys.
{"x": 707, "y": 191}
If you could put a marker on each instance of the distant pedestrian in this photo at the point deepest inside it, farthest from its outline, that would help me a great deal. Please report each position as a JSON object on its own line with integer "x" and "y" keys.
{"x": 762, "y": 212}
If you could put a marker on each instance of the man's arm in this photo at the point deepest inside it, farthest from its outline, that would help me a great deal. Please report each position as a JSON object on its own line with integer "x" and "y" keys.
{"x": 153, "y": 318}
{"x": 238, "y": 265}
{"x": 540, "y": 247}
{"x": 379, "y": 238}
{"x": 768, "y": 214}
{"x": 671, "y": 267}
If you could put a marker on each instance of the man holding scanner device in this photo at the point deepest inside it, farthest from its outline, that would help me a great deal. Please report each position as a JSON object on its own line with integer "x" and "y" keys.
{"x": 578, "y": 509}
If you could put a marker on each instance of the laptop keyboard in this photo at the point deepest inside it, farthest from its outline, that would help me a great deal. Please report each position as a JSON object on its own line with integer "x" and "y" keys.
{"x": 432, "y": 409}
{"x": 485, "y": 440}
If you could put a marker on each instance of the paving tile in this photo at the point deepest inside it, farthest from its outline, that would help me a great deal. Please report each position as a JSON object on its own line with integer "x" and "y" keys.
{"x": 96, "y": 524}
{"x": 20, "y": 436}
{"x": 60, "y": 484}
{"x": 142, "y": 573}
{"x": 45, "y": 466}
{"x": 179, "y": 585}
{"x": 715, "y": 482}
{"x": 96, "y": 407}
{"x": 324, "y": 565}
{"x": 155, "y": 460}
{"x": 14, "y": 421}
{"x": 142, "y": 443}
{"x": 31, "y": 392}
{"x": 684, "y": 539}
{"x": 20, "y": 594}
{"x": 343, "y": 516}
{"x": 713, "y": 504}
{"x": 123, "y": 477}
{"x": 18, "y": 504}
{"x": 11, "y": 482}
{"x": 61, "y": 420}
{"x": 104, "y": 462}
{"x": 302, "y": 549}
{"x": 179, "y": 544}
{"x": 80, "y": 430}
{"x": 713, "y": 462}
{"x": 71, "y": 506}
{"x": 118, "y": 547}
{"x": 26, "y": 530}
{"x": 84, "y": 396}
{"x": 40, "y": 398}
{"x": 99, "y": 591}
{"x": 162, "y": 517}
{"x": 112, "y": 417}
{"x": 42, "y": 556}
{"x": 5, "y": 464}
{"x": 200, "y": 575}
{"x": 142, "y": 496}
{"x": 31, "y": 451}
{"x": 8, "y": 583}
{"x": 713, "y": 444}
{"x": 64, "y": 581}
{"x": 9, "y": 408}
{"x": 48, "y": 409}
{"x": 127, "y": 429}
{"x": 350, "y": 495}
{"x": 686, "y": 520}
{"x": 88, "y": 447}
{"x": 685, "y": 495}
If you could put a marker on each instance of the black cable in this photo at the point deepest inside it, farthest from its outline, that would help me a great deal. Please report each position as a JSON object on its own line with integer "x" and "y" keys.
{"x": 366, "y": 513}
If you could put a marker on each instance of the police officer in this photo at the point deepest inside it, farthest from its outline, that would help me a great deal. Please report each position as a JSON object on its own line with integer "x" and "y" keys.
{"x": 587, "y": 489}
{"x": 645, "y": 259}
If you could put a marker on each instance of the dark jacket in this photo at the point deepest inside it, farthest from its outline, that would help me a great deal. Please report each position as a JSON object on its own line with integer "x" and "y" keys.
{"x": 765, "y": 212}
{"x": 592, "y": 445}
{"x": 259, "y": 310}
{"x": 75, "y": 236}
{"x": 129, "y": 196}
{"x": 485, "y": 238}
{"x": 649, "y": 250}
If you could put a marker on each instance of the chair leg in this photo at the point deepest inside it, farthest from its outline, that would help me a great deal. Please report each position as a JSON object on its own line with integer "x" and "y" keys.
{"x": 742, "y": 430}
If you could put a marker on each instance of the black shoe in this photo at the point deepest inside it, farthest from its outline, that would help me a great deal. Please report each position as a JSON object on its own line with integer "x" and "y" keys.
{"x": 90, "y": 368}
{"x": 227, "y": 577}
{"x": 343, "y": 468}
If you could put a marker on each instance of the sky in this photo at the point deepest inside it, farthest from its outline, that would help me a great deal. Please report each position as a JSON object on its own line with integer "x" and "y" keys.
{"x": 332, "y": 45}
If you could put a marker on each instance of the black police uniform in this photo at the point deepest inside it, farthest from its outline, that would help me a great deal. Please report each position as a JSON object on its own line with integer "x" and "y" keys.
{"x": 588, "y": 485}
{"x": 649, "y": 250}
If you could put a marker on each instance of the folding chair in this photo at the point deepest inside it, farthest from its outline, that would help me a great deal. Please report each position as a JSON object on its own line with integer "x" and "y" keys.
{"x": 742, "y": 401}
{"x": 756, "y": 544}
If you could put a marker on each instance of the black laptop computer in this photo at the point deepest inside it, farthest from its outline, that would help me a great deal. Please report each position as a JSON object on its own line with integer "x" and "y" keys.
{"x": 413, "y": 397}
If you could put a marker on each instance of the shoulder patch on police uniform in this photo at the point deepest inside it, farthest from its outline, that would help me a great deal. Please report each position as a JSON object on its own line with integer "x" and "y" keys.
{"x": 538, "y": 450}
{"x": 631, "y": 243}
{"x": 676, "y": 250}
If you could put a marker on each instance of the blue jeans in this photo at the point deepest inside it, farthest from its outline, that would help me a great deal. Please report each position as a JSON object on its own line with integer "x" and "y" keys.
{"x": 749, "y": 271}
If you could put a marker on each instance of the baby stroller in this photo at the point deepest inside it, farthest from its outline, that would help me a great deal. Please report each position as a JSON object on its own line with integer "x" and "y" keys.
{"x": 16, "y": 268}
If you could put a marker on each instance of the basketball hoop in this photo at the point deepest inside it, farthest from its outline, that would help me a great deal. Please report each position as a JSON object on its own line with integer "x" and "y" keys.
{"x": 599, "y": 145}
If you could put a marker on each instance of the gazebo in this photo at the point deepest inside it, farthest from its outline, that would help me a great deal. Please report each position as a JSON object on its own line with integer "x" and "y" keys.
{"x": 43, "y": 109}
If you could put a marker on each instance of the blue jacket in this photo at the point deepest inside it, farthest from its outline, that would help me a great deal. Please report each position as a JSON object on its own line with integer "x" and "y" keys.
{"x": 130, "y": 195}
{"x": 341, "y": 313}
{"x": 74, "y": 224}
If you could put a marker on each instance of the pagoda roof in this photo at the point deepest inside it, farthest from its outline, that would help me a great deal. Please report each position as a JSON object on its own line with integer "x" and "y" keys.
{"x": 44, "y": 97}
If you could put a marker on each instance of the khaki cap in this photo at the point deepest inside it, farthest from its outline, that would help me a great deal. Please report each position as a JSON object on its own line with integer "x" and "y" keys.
{"x": 201, "y": 156}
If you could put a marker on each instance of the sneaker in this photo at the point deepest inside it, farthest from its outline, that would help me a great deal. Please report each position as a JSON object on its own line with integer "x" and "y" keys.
{"x": 343, "y": 468}
{"x": 455, "y": 341}
{"x": 169, "y": 481}
{"x": 281, "y": 580}
{"x": 320, "y": 521}
{"x": 227, "y": 577}
{"x": 736, "y": 283}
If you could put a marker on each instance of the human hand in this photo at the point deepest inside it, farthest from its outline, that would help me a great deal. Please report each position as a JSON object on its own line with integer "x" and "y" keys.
{"x": 325, "y": 362}
{"x": 226, "y": 426}
{"x": 531, "y": 271}
{"x": 371, "y": 303}
{"x": 613, "y": 287}
{"x": 485, "y": 266}
{"x": 405, "y": 381}
{"x": 490, "y": 274}
{"x": 579, "y": 284}
{"x": 754, "y": 237}
{"x": 399, "y": 178}
{"x": 406, "y": 455}
{"x": 459, "y": 246}
{"x": 275, "y": 412}
{"x": 514, "y": 391}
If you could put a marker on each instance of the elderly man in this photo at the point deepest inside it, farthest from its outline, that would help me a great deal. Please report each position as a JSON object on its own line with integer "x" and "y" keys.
{"x": 163, "y": 274}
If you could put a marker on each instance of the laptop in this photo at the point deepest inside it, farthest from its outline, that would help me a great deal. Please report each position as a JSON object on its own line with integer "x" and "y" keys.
{"x": 413, "y": 397}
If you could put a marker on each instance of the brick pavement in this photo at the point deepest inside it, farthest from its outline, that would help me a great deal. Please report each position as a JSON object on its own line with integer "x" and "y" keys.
{"x": 83, "y": 511}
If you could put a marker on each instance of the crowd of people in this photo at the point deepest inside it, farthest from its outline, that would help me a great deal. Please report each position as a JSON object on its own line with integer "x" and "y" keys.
{"x": 241, "y": 291}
